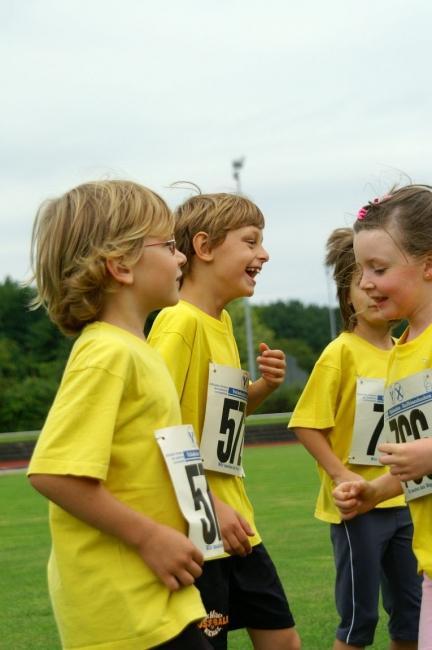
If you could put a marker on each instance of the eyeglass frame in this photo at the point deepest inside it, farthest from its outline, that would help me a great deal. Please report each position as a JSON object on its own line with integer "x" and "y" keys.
{"x": 169, "y": 243}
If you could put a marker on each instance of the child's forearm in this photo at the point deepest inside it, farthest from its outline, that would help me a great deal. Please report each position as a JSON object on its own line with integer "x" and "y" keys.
{"x": 317, "y": 444}
{"x": 169, "y": 554}
{"x": 88, "y": 500}
{"x": 257, "y": 392}
{"x": 386, "y": 487}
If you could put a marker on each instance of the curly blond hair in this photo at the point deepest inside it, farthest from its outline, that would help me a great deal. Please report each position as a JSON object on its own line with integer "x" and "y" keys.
{"x": 73, "y": 237}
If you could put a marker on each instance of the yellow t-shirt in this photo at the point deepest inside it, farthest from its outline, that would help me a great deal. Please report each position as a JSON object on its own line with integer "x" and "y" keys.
{"x": 408, "y": 359}
{"x": 188, "y": 340}
{"x": 328, "y": 401}
{"x": 114, "y": 393}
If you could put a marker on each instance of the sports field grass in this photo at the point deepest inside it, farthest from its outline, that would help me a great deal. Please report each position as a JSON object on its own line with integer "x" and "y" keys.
{"x": 282, "y": 484}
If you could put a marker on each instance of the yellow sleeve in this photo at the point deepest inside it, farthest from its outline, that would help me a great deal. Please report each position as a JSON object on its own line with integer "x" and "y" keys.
{"x": 317, "y": 405}
{"x": 77, "y": 436}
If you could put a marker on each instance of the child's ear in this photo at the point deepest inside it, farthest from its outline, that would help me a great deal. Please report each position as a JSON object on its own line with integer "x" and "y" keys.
{"x": 119, "y": 271}
{"x": 427, "y": 272}
{"x": 201, "y": 245}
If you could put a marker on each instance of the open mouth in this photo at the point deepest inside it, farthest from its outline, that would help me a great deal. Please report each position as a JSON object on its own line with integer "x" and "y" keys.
{"x": 253, "y": 271}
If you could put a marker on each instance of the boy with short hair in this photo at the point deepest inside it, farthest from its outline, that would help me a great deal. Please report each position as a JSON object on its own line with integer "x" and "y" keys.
{"x": 121, "y": 570}
{"x": 221, "y": 236}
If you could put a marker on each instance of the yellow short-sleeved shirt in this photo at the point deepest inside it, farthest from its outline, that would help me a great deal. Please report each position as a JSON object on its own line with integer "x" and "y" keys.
{"x": 188, "y": 340}
{"x": 408, "y": 359}
{"x": 114, "y": 393}
{"x": 328, "y": 402}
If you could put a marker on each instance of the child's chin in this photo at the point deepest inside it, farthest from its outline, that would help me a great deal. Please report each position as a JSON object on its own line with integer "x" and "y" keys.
{"x": 174, "y": 300}
{"x": 171, "y": 302}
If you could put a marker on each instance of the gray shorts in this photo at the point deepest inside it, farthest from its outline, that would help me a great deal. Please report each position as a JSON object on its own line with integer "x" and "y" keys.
{"x": 374, "y": 551}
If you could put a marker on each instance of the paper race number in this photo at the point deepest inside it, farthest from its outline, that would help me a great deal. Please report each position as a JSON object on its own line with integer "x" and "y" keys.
{"x": 368, "y": 422}
{"x": 183, "y": 460}
{"x": 223, "y": 431}
{"x": 408, "y": 411}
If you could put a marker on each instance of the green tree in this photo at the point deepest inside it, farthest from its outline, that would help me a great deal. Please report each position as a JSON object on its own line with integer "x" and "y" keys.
{"x": 32, "y": 356}
{"x": 299, "y": 349}
{"x": 294, "y": 321}
{"x": 11, "y": 363}
{"x": 261, "y": 332}
{"x": 33, "y": 351}
{"x": 24, "y": 404}
{"x": 282, "y": 400}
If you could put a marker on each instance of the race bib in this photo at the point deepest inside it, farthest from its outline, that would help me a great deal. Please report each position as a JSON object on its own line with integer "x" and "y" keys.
{"x": 408, "y": 412}
{"x": 223, "y": 432}
{"x": 183, "y": 460}
{"x": 368, "y": 422}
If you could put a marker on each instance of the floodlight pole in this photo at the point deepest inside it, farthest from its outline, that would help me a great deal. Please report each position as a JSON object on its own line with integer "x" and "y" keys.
{"x": 237, "y": 165}
{"x": 332, "y": 320}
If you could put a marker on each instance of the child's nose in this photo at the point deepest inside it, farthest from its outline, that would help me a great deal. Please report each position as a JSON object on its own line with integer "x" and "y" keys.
{"x": 365, "y": 282}
{"x": 181, "y": 258}
{"x": 263, "y": 255}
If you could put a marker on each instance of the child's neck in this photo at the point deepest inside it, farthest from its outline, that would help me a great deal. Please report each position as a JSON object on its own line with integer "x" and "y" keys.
{"x": 202, "y": 299}
{"x": 377, "y": 334}
{"x": 421, "y": 317}
{"x": 119, "y": 313}
{"x": 136, "y": 329}
{"x": 416, "y": 327}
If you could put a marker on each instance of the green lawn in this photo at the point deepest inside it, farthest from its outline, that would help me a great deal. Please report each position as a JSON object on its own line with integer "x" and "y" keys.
{"x": 282, "y": 484}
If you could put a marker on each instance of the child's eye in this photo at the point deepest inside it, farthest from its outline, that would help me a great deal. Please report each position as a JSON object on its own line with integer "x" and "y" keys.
{"x": 252, "y": 242}
{"x": 379, "y": 271}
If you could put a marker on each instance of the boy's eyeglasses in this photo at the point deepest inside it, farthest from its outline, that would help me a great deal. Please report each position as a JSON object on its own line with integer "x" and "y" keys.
{"x": 170, "y": 244}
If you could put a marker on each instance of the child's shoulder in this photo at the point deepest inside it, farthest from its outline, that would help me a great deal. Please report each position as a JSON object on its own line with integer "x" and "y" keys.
{"x": 351, "y": 353}
{"x": 338, "y": 349}
{"x": 186, "y": 317}
{"x": 177, "y": 315}
{"x": 348, "y": 341}
{"x": 104, "y": 346}
{"x": 341, "y": 342}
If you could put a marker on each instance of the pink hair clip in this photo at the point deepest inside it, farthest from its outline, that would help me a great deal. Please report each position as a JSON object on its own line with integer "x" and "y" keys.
{"x": 361, "y": 214}
{"x": 381, "y": 199}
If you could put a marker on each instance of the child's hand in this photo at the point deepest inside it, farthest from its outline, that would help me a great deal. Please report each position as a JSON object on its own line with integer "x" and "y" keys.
{"x": 171, "y": 556}
{"x": 353, "y": 498}
{"x": 409, "y": 460}
{"x": 235, "y": 530}
{"x": 272, "y": 365}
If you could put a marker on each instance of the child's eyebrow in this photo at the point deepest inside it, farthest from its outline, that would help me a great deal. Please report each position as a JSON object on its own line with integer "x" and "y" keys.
{"x": 255, "y": 231}
{"x": 376, "y": 260}
{"x": 372, "y": 260}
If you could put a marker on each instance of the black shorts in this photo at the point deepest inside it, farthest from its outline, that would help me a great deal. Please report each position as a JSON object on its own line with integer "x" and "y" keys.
{"x": 374, "y": 551}
{"x": 191, "y": 637}
{"x": 242, "y": 592}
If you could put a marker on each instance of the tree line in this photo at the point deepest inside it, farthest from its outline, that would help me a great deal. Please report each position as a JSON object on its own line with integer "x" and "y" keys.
{"x": 33, "y": 352}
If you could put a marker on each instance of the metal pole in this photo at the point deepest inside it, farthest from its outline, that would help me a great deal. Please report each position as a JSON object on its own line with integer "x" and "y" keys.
{"x": 249, "y": 339}
{"x": 237, "y": 166}
{"x": 332, "y": 319}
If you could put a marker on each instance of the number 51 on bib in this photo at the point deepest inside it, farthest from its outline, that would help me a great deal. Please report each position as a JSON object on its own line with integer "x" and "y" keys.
{"x": 183, "y": 460}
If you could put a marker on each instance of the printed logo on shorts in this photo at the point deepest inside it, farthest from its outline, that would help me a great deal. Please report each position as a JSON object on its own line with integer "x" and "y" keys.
{"x": 213, "y": 623}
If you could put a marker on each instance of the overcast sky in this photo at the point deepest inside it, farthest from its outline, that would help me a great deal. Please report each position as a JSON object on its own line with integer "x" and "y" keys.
{"x": 328, "y": 101}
